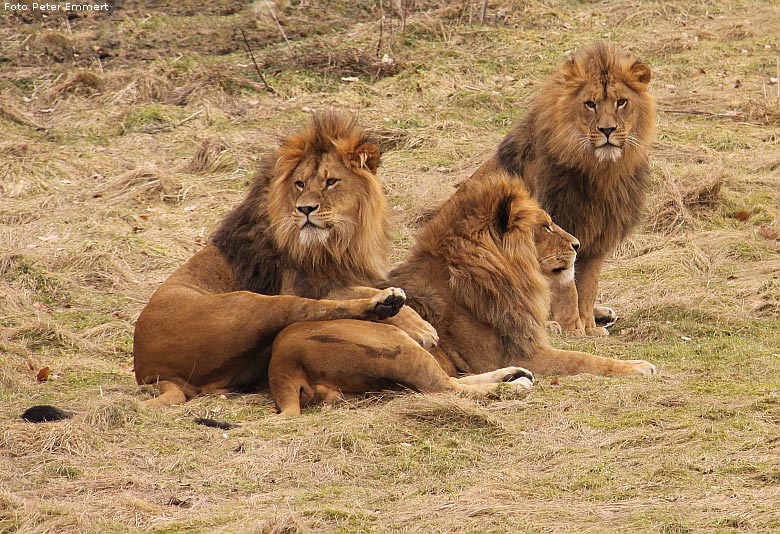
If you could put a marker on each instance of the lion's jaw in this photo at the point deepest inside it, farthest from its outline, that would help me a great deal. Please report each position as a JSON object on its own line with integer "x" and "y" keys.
{"x": 556, "y": 251}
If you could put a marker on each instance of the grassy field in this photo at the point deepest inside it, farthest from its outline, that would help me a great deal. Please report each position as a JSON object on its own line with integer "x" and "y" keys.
{"x": 125, "y": 137}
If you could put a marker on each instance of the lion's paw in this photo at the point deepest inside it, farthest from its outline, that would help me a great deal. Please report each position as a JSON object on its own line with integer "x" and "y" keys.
{"x": 642, "y": 368}
{"x": 514, "y": 374}
{"x": 416, "y": 327}
{"x": 554, "y": 327}
{"x": 388, "y": 302}
{"x": 598, "y": 331}
{"x": 520, "y": 384}
{"x": 604, "y": 316}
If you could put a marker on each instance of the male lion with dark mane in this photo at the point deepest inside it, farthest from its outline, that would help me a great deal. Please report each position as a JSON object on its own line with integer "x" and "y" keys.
{"x": 582, "y": 151}
{"x": 479, "y": 273}
{"x": 308, "y": 243}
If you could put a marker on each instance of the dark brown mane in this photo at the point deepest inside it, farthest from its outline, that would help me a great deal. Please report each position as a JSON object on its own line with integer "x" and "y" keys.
{"x": 599, "y": 202}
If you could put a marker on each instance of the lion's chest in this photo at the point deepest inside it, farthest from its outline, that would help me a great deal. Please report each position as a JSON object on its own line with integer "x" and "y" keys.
{"x": 600, "y": 211}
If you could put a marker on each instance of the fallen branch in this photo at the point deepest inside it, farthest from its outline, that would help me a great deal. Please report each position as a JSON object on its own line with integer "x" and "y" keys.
{"x": 257, "y": 67}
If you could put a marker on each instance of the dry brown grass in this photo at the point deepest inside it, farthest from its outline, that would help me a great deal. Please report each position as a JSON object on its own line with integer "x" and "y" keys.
{"x": 127, "y": 136}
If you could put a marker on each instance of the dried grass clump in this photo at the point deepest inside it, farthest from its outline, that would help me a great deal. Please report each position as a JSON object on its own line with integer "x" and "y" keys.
{"x": 13, "y": 113}
{"x": 112, "y": 414}
{"x": 389, "y": 138}
{"x": 446, "y": 411}
{"x": 763, "y": 111}
{"x": 81, "y": 83}
{"x": 682, "y": 196}
{"x": 56, "y": 45}
{"x": 98, "y": 265}
{"x": 284, "y": 525}
{"x": 45, "y": 334}
{"x": 345, "y": 63}
{"x": 137, "y": 86}
{"x": 212, "y": 156}
{"x": 141, "y": 185}
{"x": 14, "y": 149}
{"x": 16, "y": 372}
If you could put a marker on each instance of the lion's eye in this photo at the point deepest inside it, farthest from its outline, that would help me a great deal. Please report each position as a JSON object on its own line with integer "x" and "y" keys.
{"x": 300, "y": 185}
{"x": 330, "y": 182}
{"x": 621, "y": 102}
{"x": 590, "y": 104}
{"x": 548, "y": 227}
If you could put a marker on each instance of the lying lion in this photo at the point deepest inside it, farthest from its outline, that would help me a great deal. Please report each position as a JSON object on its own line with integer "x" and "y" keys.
{"x": 479, "y": 273}
{"x": 313, "y": 228}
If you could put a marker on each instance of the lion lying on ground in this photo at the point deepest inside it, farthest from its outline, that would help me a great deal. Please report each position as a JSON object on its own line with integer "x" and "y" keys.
{"x": 581, "y": 149}
{"x": 477, "y": 273}
{"x": 313, "y": 228}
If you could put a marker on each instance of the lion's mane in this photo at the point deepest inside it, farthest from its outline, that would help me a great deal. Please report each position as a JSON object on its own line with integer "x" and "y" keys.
{"x": 479, "y": 251}
{"x": 259, "y": 254}
{"x": 599, "y": 201}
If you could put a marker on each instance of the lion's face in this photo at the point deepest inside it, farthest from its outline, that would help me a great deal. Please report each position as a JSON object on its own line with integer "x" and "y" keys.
{"x": 556, "y": 249}
{"x": 606, "y": 102}
{"x": 325, "y": 200}
{"x": 605, "y": 117}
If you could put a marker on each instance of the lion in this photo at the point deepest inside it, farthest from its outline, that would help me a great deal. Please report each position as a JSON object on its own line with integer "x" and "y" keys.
{"x": 582, "y": 150}
{"x": 308, "y": 243}
{"x": 478, "y": 272}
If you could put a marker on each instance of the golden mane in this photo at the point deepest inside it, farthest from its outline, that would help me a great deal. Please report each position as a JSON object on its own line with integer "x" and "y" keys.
{"x": 250, "y": 235}
{"x": 607, "y": 64}
{"x": 481, "y": 242}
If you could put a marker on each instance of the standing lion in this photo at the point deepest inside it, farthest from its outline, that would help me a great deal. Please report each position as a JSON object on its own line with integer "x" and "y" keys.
{"x": 307, "y": 244}
{"x": 582, "y": 150}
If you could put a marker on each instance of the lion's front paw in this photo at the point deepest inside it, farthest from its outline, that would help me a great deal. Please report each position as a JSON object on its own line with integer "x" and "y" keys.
{"x": 416, "y": 327}
{"x": 554, "y": 327}
{"x": 514, "y": 374}
{"x": 522, "y": 383}
{"x": 598, "y": 331}
{"x": 642, "y": 368}
{"x": 388, "y": 302}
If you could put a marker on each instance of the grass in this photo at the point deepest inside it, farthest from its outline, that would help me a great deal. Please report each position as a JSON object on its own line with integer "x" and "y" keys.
{"x": 123, "y": 147}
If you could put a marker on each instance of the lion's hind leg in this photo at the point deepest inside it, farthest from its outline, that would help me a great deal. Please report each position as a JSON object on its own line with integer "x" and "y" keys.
{"x": 290, "y": 390}
{"x": 170, "y": 394}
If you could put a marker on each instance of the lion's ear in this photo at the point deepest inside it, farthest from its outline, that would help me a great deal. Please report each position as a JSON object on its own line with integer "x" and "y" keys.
{"x": 367, "y": 156}
{"x": 503, "y": 215}
{"x": 640, "y": 73}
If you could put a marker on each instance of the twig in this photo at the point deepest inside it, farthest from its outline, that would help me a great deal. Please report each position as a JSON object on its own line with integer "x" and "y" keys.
{"x": 281, "y": 30}
{"x": 188, "y": 119}
{"x": 381, "y": 27}
{"x": 406, "y": 13}
{"x": 168, "y": 127}
{"x": 484, "y": 11}
{"x": 697, "y": 112}
{"x": 257, "y": 67}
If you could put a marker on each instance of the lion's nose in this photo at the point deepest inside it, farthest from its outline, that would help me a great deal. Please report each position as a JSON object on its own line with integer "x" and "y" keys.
{"x": 575, "y": 246}
{"x": 306, "y": 210}
{"x": 606, "y": 131}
